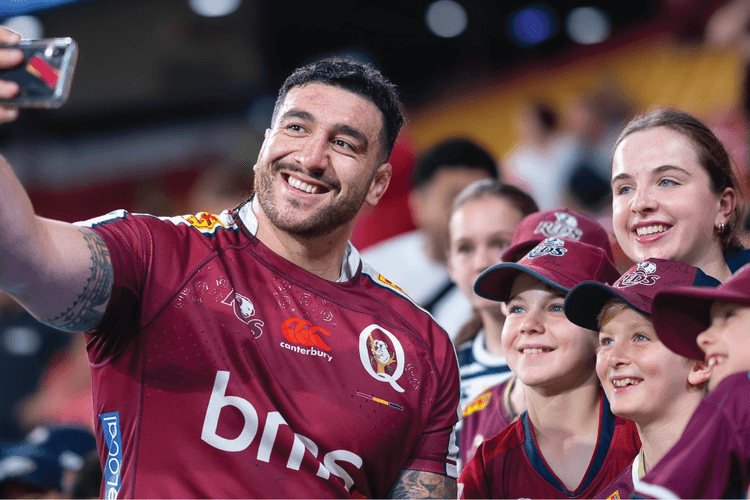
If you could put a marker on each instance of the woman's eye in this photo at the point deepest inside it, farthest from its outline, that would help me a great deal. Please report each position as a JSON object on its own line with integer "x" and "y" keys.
{"x": 640, "y": 337}
{"x": 605, "y": 342}
{"x": 667, "y": 183}
{"x": 515, "y": 309}
{"x": 557, "y": 308}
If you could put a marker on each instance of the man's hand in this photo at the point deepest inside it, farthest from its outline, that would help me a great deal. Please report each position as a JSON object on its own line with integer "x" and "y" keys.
{"x": 9, "y": 59}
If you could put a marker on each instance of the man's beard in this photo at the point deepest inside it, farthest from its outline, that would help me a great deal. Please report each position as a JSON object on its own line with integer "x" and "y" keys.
{"x": 324, "y": 221}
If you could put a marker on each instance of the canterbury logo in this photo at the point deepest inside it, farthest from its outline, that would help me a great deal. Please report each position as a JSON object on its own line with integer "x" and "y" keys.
{"x": 299, "y": 331}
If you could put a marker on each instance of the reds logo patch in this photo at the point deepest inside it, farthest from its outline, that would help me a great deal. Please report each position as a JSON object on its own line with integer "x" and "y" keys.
{"x": 244, "y": 310}
{"x": 551, "y": 246}
{"x": 382, "y": 355}
{"x": 566, "y": 226}
{"x": 204, "y": 221}
{"x": 480, "y": 403}
{"x": 643, "y": 275}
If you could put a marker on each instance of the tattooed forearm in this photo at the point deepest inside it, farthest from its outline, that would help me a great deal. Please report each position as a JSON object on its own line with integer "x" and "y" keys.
{"x": 420, "y": 484}
{"x": 86, "y": 312}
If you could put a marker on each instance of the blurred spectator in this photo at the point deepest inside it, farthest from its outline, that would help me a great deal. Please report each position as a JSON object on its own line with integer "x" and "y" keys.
{"x": 26, "y": 347}
{"x": 88, "y": 481}
{"x": 46, "y": 463}
{"x": 542, "y": 159}
{"x": 63, "y": 394}
{"x": 416, "y": 261}
{"x": 221, "y": 187}
{"x": 594, "y": 120}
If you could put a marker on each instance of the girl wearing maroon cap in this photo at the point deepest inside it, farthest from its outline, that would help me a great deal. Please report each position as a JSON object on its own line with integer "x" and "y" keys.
{"x": 644, "y": 381}
{"x": 712, "y": 458}
{"x": 675, "y": 194}
{"x": 567, "y": 444}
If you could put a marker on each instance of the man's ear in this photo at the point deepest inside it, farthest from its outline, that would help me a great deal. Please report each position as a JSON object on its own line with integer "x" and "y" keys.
{"x": 699, "y": 373}
{"x": 379, "y": 184}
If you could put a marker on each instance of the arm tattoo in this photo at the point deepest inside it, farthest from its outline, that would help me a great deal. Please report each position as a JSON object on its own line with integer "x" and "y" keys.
{"x": 82, "y": 315}
{"x": 420, "y": 484}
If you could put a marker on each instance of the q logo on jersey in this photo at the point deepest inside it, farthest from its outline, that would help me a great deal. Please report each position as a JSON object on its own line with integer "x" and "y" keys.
{"x": 643, "y": 275}
{"x": 382, "y": 355}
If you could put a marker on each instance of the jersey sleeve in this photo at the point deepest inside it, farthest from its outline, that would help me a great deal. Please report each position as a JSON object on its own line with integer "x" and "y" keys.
{"x": 710, "y": 460}
{"x": 472, "y": 483}
{"x": 126, "y": 242}
{"x": 437, "y": 449}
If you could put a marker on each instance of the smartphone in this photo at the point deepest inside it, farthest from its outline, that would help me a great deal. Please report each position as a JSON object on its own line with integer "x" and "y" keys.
{"x": 45, "y": 74}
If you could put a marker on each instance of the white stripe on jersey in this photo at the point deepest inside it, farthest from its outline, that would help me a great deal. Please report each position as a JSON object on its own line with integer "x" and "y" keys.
{"x": 654, "y": 491}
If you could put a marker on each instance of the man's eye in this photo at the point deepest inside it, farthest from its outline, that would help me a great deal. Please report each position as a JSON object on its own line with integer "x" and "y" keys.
{"x": 343, "y": 144}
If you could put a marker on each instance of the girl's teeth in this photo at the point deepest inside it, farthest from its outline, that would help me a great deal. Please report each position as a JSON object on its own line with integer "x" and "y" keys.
{"x": 537, "y": 350}
{"x": 645, "y": 231}
{"x": 623, "y": 382}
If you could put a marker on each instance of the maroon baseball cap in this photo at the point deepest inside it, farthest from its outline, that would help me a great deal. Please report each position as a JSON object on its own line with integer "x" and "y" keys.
{"x": 558, "y": 262}
{"x": 558, "y": 223}
{"x": 637, "y": 288}
{"x": 681, "y": 314}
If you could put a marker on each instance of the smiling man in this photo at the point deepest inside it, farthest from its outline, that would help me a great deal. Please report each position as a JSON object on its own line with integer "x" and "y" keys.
{"x": 232, "y": 354}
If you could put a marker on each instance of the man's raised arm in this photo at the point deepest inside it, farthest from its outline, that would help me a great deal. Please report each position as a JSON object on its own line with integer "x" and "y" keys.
{"x": 61, "y": 273}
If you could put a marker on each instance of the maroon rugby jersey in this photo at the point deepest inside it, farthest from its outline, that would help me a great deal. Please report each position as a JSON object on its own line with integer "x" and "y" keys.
{"x": 221, "y": 370}
{"x": 484, "y": 417}
{"x": 623, "y": 485}
{"x": 712, "y": 457}
{"x": 510, "y": 464}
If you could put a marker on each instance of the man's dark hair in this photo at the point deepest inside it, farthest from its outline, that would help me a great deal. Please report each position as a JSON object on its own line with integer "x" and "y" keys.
{"x": 355, "y": 77}
{"x": 453, "y": 153}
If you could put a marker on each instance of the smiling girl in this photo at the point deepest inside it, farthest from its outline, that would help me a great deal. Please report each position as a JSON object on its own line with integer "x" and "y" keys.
{"x": 644, "y": 381}
{"x": 567, "y": 444}
{"x": 676, "y": 195}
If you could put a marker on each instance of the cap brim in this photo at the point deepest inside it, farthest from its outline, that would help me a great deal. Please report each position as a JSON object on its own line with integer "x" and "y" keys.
{"x": 496, "y": 282}
{"x": 516, "y": 252}
{"x": 680, "y": 315}
{"x": 586, "y": 300}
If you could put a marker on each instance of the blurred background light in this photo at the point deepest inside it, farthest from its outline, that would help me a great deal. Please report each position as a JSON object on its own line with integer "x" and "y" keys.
{"x": 532, "y": 25}
{"x": 446, "y": 18}
{"x": 588, "y": 25}
{"x": 214, "y": 8}
{"x": 29, "y": 27}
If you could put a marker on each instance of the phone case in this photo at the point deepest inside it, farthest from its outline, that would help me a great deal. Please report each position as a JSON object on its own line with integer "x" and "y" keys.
{"x": 46, "y": 73}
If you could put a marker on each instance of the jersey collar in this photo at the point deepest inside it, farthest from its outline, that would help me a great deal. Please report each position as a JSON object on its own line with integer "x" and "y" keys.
{"x": 349, "y": 265}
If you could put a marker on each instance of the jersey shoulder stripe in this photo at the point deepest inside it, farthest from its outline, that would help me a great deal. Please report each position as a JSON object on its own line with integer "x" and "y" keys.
{"x": 208, "y": 224}
{"x": 382, "y": 282}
